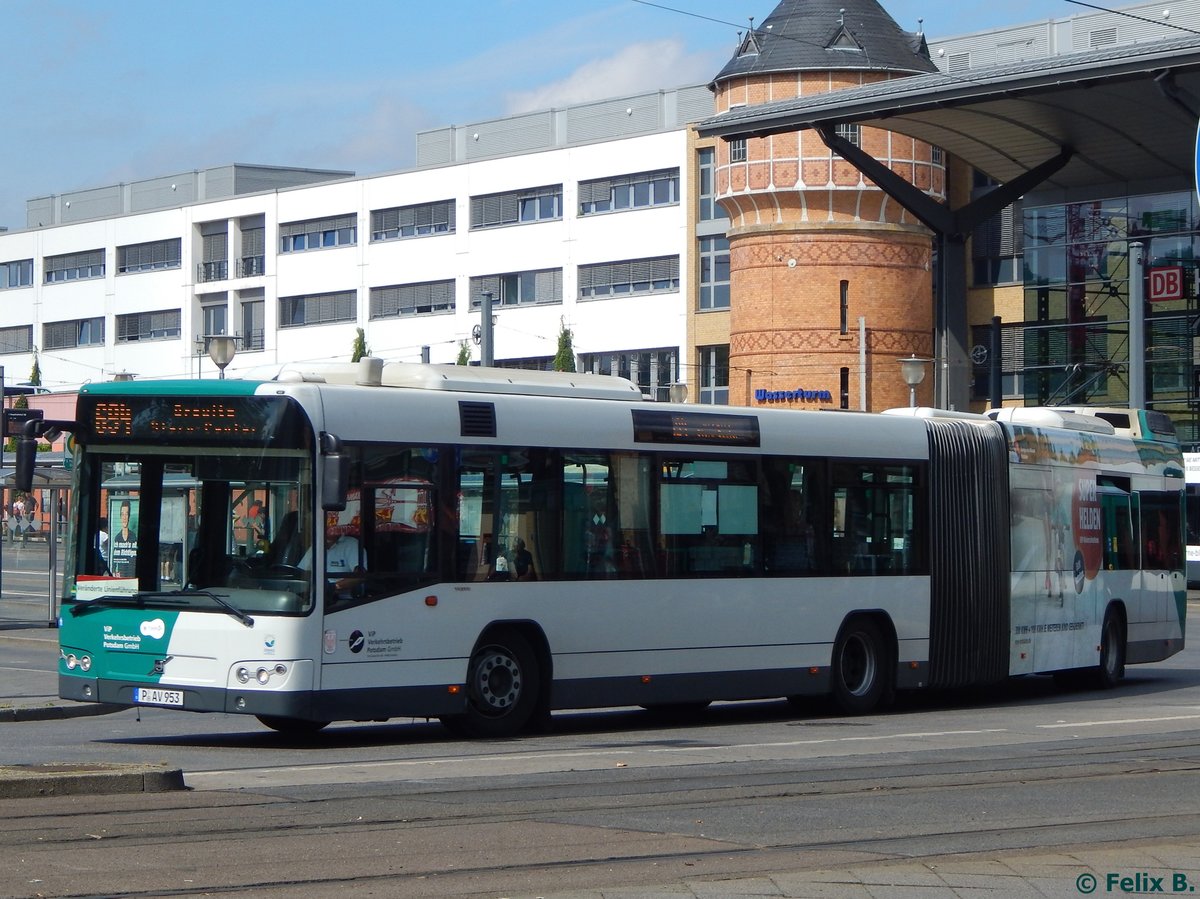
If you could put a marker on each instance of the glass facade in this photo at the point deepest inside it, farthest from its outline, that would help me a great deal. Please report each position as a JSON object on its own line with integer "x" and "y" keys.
{"x": 1076, "y": 297}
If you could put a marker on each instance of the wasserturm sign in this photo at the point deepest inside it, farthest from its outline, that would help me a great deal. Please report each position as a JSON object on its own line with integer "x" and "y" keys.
{"x": 799, "y": 395}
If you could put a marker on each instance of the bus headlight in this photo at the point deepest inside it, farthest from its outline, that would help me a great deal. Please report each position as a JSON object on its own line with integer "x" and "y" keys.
{"x": 263, "y": 674}
{"x": 73, "y": 661}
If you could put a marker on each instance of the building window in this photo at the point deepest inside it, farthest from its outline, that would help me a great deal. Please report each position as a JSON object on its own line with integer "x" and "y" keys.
{"x": 69, "y": 334}
{"x": 609, "y": 279}
{"x": 519, "y": 288}
{"x": 714, "y": 375}
{"x": 149, "y": 257}
{"x": 315, "y": 234}
{"x": 214, "y": 252}
{"x": 74, "y": 266}
{"x": 528, "y": 363}
{"x": 16, "y": 274}
{"x": 638, "y": 191}
{"x": 936, "y": 156}
{"x": 536, "y": 204}
{"x": 997, "y": 246}
{"x": 162, "y": 325}
{"x": 254, "y": 322}
{"x": 1012, "y": 360}
{"x": 737, "y": 149}
{"x": 252, "y": 261}
{"x": 849, "y": 133}
{"x": 708, "y": 209}
{"x": 654, "y": 371}
{"x": 16, "y": 340}
{"x": 714, "y": 273}
{"x": 413, "y": 221}
{"x": 412, "y": 299}
{"x": 215, "y": 318}
{"x": 318, "y": 309}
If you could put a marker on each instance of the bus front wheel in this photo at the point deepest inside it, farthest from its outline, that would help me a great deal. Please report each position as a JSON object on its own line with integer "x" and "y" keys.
{"x": 292, "y": 727}
{"x": 502, "y": 688}
{"x": 859, "y": 669}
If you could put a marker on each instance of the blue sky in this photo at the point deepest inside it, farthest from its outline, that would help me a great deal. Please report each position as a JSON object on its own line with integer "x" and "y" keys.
{"x": 102, "y": 92}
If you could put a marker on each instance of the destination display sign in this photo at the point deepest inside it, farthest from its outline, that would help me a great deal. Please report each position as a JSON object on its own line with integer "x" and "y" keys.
{"x": 697, "y": 428}
{"x": 181, "y": 419}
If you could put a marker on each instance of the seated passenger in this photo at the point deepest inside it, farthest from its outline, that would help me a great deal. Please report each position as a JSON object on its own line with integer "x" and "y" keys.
{"x": 523, "y": 562}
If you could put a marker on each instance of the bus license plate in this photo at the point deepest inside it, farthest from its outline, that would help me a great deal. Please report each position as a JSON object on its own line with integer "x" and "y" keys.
{"x": 154, "y": 696}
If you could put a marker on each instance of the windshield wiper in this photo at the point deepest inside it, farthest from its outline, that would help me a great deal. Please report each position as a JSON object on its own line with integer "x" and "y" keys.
{"x": 120, "y": 599}
{"x": 223, "y": 603}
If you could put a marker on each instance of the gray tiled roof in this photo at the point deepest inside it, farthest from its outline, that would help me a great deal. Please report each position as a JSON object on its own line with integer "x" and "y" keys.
{"x": 844, "y": 35}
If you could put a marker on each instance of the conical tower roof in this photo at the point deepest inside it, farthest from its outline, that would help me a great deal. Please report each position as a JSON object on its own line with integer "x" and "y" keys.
{"x": 841, "y": 35}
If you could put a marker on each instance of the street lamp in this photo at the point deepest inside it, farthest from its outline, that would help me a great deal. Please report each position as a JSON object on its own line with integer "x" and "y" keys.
{"x": 913, "y": 371}
{"x": 678, "y": 392}
{"x": 221, "y": 350}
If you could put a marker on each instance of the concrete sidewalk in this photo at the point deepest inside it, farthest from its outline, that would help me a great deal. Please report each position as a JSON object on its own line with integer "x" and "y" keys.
{"x": 29, "y": 692}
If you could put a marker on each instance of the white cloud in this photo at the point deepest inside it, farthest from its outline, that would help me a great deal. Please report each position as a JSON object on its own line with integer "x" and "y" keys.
{"x": 641, "y": 67}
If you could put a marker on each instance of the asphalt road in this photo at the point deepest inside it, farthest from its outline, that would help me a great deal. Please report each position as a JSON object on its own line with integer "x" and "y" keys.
{"x": 1018, "y": 790}
{"x": 748, "y": 800}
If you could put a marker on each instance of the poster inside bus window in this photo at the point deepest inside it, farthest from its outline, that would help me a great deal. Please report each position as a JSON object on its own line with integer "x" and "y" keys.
{"x": 122, "y": 539}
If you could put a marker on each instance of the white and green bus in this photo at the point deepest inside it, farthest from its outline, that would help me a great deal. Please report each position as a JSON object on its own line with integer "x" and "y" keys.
{"x": 370, "y": 542}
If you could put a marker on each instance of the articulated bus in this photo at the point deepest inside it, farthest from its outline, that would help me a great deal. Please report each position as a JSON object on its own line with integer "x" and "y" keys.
{"x": 369, "y": 542}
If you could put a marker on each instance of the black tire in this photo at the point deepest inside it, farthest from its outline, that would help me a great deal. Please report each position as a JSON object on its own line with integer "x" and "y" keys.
{"x": 292, "y": 727}
{"x": 1111, "y": 670}
{"x": 502, "y": 688}
{"x": 859, "y": 675}
{"x": 679, "y": 711}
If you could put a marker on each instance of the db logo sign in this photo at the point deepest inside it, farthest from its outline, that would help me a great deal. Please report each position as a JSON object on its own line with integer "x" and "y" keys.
{"x": 1166, "y": 284}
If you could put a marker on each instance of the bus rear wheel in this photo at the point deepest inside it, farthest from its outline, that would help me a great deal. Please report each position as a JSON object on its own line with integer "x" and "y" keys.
{"x": 859, "y": 669}
{"x": 1111, "y": 670}
{"x": 502, "y": 688}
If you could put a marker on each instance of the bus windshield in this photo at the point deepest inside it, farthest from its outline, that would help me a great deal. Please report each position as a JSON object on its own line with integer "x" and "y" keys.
{"x": 207, "y": 530}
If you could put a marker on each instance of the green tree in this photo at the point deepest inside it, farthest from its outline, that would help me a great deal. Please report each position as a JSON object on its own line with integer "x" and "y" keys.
{"x": 360, "y": 346}
{"x": 464, "y": 354}
{"x": 564, "y": 359}
{"x": 35, "y": 380}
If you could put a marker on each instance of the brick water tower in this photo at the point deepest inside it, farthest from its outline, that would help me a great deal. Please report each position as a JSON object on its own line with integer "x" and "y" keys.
{"x": 813, "y": 244}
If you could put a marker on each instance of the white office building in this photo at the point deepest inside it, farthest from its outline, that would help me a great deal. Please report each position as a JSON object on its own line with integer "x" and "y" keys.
{"x": 572, "y": 218}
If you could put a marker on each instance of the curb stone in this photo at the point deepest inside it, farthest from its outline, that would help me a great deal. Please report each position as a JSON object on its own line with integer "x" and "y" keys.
{"x": 33, "y": 781}
{"x": 14, "y": 714}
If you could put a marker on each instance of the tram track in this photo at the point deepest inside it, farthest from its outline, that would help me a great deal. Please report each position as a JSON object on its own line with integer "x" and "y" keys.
{"x": 509, "y": 835}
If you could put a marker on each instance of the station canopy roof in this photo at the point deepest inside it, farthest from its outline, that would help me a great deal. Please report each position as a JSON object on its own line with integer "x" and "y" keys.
{"x": 1128, "y": 112}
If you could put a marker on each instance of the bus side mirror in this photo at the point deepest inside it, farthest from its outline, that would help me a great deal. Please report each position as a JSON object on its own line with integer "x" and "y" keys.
{"x": 26, "y": 460}
{"x": 335, "y": 482}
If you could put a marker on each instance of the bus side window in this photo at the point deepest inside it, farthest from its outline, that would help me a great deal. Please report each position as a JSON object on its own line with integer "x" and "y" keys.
{"x": 708, "y": 515}
{"x": 875, "y": 529}
{"x": 1120, "y": 547}
{"x": 589, "y": 517}
{"x": 789, "y": 510}
{"x": 396, "y": 517}
{"x": 1162, "y": 531}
